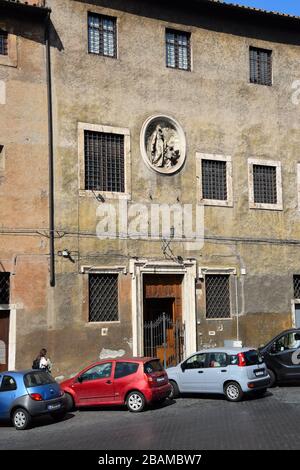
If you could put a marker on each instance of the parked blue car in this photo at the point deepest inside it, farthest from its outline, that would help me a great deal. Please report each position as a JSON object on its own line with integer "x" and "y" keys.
{"x": 29, "y": 393}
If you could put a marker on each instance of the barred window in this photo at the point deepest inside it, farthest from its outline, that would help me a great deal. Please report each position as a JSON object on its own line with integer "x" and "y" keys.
{"x": 264, "y": 184}
{"x": 104, "y": 161}
{"x": 4, "y": 288}
{"x": 296, "y": 282}
{"x": 260, "y": 66}
{"x": 217, "y": 289}
{"x": 178, "y": 50}
{"x": 3, "y": 43}
{"x": 214, "y": 180}
{"x": 103, "y": 297}
{"x": 102, "y": 35}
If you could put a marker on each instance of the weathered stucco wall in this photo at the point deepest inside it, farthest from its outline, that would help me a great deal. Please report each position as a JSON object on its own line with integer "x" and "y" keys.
{"x": 220, "y": 113}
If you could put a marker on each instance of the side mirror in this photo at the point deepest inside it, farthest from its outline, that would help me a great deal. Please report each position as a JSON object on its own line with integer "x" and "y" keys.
{"x": 182, "y": 366}
{"x": 297, "y": 336}
{"x": 80, "y": 379}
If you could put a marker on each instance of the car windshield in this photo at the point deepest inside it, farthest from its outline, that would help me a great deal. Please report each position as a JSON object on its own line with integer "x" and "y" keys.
{"x": 153, "y": 366}
{"x": 34, "y": 379}
{"x": 252, "y": 358}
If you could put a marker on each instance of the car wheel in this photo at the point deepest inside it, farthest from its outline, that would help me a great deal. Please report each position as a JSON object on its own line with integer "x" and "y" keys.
{"x": 58, "y": 416}
{"x": 21, "y": 419}
{"x": 273, "y": 378}
{"x": 135, "y": 402}
{"x": 174, "y": 393}
{"x": 69, "y": 402}
{"x": 233, "y": 391}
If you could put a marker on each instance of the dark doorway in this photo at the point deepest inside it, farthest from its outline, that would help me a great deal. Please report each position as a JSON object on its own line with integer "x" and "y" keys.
{"x": 154, "y": 308}
{"x": 162, "y": 315}
{"x": 4, "y": 333}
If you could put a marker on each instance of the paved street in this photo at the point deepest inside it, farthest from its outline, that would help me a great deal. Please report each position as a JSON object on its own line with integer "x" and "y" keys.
{"x": 197, "y": 423}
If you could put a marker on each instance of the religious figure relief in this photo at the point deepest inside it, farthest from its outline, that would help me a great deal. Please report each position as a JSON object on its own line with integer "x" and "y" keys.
{"x": 163, "y": 152}
{"x": 163, "y": 144}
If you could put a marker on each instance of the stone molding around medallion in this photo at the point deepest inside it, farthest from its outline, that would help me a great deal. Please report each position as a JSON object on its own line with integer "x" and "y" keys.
{"x": 163, "y": 144}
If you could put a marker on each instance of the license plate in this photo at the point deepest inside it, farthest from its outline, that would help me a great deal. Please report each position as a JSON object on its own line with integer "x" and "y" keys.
{"x": 54, "y": 407}
{"x": 160, "y": 379}
{"x": 259, "y": 373}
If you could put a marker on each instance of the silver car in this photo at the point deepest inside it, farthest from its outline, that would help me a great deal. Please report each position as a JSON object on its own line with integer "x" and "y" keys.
{"x": 229, "y": 371}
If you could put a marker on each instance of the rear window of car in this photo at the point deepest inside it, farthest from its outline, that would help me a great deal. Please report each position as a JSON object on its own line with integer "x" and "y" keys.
{"x": 153, "y": 366}
{"x": 34, "y": 379}
{"x": 252, "y": 358}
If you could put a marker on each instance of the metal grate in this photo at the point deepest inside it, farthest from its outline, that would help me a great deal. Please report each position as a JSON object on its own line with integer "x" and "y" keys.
{"x": 296, "y": 281}
{"x": 102, "y": 35}
{"x": 104, "y": 161}
{"x": 103, "y": 297}
{"x": 260, "y": 66}
{"x": 4, "y": 288}
{"x": 217, "y": 296}
{"x": 178, "y": 49}
{"x": 214, "y": 184}
{"x": 264, "y": 184}
{"x": 3, "y": 43}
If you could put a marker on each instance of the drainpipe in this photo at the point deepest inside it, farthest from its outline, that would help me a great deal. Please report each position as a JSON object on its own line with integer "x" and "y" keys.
{"x": 50, "y": 152}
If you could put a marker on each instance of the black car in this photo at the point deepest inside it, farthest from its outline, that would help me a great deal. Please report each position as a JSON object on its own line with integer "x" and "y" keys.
{"x": 282, "y": 356}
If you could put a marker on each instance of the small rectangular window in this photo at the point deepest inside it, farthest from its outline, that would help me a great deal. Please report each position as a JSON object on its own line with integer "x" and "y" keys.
{"x": 178, "y": 49}
{"x": 264, "y": 184}
{"x": 102, "y": 35}
{"x": 296, "y": 282}
{"x": 214, "y": 180}
{"x": 3, "y": 43}
{"x": 103, "y": 297}
{"x": 217, "y": 290}
{"x": 104, "y": 161}
{"x": 260, "y": 66}
{"x": 4, "y": 288}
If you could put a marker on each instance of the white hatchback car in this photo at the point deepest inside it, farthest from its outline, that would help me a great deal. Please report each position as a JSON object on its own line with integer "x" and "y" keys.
{"x": 229, "y": 371}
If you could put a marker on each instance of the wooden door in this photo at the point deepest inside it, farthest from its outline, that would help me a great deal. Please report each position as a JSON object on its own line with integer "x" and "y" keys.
{"x": 4, "y": 332}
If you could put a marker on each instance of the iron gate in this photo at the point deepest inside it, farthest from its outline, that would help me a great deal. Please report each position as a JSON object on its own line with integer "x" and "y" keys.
{"x": 164, "y": 338}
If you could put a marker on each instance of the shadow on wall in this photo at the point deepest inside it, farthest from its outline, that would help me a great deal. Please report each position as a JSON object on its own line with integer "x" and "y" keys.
{"x": 13, "y": 22}
{"x": 212, "y": 16}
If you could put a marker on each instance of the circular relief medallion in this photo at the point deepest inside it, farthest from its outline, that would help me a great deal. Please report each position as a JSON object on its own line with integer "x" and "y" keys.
{"x": 163, "y": 144}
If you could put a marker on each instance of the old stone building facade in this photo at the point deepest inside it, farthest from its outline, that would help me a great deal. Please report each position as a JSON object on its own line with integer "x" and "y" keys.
{"x": 156, "y": 107}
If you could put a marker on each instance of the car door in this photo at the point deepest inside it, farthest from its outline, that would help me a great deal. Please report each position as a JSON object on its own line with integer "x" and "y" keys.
{"x": 284, "y": 355}
{"x": 95, "y": 385}
{"x": 191, "y": 374}
{"x": 8, "y": 393}
{"x": 216, "y": 373}
{"x": 124, "y": 376}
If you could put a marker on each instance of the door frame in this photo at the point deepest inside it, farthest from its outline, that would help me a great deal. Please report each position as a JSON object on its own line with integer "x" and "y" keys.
{"x": 188, "y": 269}
{"x": 11, "y": 334}
{"x": 294, "y": 302}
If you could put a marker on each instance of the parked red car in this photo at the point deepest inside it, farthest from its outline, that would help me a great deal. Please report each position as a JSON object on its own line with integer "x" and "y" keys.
{"x": 135, "y": 382}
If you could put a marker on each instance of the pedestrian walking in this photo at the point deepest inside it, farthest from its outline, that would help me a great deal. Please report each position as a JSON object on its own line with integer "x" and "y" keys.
{"x": 42, "y": 361}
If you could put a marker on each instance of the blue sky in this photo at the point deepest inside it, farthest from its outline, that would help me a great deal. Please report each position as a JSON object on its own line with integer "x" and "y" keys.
{"x": 285, "y": 6}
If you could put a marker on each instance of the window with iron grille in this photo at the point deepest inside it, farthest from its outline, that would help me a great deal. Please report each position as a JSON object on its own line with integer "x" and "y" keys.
{"x": 260, "y": 66}
{"x": 104, "y": 161}
{"x": 214, "y": 180}
{"x": 103, "y": 297}
{"x": 296, "y": 281}
{"x": 4, "y": 288}
{"x": 264, "y": 184}
{"x": 178, "y": 50}
{"x": 102, "y": 35}
{"x": 3, "y": 43}
{"x": 217, "y": 290}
